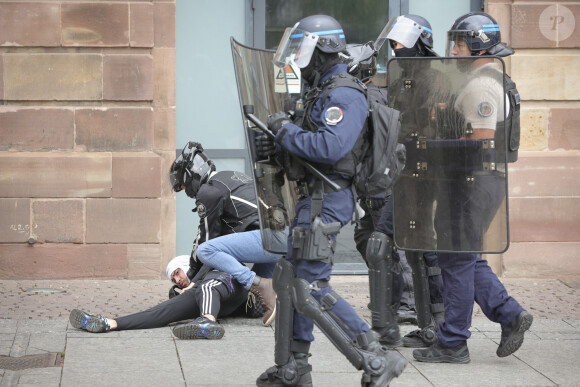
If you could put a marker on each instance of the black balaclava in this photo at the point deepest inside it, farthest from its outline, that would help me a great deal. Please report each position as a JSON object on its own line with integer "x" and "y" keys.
{"x": 409, "y": 52}
{"x": 319, "y": 64}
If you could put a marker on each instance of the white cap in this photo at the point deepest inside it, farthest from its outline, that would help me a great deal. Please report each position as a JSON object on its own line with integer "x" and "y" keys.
{"x": 179, "y": 262}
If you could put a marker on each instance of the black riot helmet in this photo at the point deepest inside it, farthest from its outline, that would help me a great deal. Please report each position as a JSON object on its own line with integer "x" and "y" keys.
{"x": 190, "y": 169}
{"x": 480, "y": 31}
{"x": 312, "y": 44}
{"x": 412, "y": 31}
{"x": 361, "y": 60}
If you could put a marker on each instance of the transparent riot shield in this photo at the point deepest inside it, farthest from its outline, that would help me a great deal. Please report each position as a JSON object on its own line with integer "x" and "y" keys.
{"x": 264, "y": 86}
{"x": 451, "y": 195}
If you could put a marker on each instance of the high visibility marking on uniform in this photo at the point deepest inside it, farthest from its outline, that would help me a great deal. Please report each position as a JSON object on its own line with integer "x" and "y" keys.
{"x": 244, "y": 201}
{"x": 490, "y": 27}
{"x": 333, "y": 115}
{"x": 319, "y": 33}
{"x": 485, "y": 109}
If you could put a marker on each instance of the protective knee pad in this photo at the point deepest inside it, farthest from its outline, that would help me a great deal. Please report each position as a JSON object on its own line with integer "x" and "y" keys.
{"x": 282, "y": 284}
{"x": 379, "y": 257}
{"x": 308, "y": 306}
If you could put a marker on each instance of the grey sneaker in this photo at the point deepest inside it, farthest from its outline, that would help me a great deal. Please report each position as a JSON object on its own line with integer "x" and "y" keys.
{"x": 200, "y": 328}
{"x": 512, "y": 337}
{"x": 88, "y": 322}
{"x": 437, "y": 354}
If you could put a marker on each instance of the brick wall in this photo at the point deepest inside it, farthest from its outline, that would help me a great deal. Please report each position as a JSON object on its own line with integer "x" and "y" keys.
{"x": 544, "y": 185}
{"x": 87, "y": 133}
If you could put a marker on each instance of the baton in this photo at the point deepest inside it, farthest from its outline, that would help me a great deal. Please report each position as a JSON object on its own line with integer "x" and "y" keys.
{"x": 249, "y": 113}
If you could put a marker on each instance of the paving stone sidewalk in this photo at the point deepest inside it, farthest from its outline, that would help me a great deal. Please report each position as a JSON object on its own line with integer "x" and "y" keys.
{"x": 34, "y": 321}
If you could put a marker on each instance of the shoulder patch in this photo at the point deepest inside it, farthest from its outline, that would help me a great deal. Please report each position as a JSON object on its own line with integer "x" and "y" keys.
{"x": 201, "y": 210}
{"x": 333, "y": 115}
{"x": 485, "y": 109}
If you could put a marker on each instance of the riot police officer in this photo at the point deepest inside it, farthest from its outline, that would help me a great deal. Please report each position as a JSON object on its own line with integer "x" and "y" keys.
{"x": 328, "y": 137}
{"x": 467, "y": 276}
{"x": 411, "y": 36}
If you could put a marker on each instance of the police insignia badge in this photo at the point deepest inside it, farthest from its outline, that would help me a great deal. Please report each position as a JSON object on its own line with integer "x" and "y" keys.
{"x": 485, "y": 109}
{"x": 333, "y": 115}
{"x": 201, "y": 211}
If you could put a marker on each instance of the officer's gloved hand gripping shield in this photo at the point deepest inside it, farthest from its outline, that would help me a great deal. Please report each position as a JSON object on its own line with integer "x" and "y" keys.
{"x": 263, "y": 85}
{"x": 451, "y": 195}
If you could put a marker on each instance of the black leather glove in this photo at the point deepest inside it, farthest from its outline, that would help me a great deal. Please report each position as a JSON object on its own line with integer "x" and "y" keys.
{"x": 277, "y": 120}
{"x": 265, "y": 146}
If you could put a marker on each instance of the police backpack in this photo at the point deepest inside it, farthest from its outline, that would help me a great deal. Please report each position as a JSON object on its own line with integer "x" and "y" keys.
{"x": 381, "y": 159}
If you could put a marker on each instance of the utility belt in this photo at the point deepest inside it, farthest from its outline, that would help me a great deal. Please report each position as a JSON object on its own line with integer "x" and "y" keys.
{"x": 305, "y": 189}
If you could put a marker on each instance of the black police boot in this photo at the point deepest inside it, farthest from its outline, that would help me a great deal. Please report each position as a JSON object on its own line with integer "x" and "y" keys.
{"x": 295, "y": 373}
{"x": 421, "y": 338}
{"x": 406, "y": 316}
{"x": 389, "y": 336}
{"x": 379, "y": 372}
{"x": 512, "y": 337}
{"x": 438, "y": 354}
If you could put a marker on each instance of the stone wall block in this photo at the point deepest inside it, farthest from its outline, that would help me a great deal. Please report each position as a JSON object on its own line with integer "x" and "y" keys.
{"x": 62, "y": 261}
{"x": 16, "y": 20}
{"x": 568, "y": 21}
{"x": 545, "y": 174}
{"x": 143, "y": 261}
{"x": 128, "y": 77}
{"x": 545, "y": 25}
{"x": 542, "y": 260}
{"x": 564, "y": 129}
{"x": 58, "y": 221}
{"x": 1, "y": 77}
{"x": 164, "y": 62}
{"x": 164, "y": 24}
{"x": 164, "y": 133}
{"x": 36, "y": 129}
{"x": 123, "y": 220}
{"x": 547, "y": 77}
{"x": 95, "y": 24}
{"x": 136, "y": 175}
{"x": 501, "y": 12}
{"x": 54, "y": 175}
{"x": 534, "y": 128}
{"x": 114, "y": 129}
{"x": 141, "y": 24}
{"x": 60, "y": 77}
{"x": 528, "y": 30}
{"x": 545, "y": 219}
{"x": 168, "y": 231}
{"x": 14, "y": 220}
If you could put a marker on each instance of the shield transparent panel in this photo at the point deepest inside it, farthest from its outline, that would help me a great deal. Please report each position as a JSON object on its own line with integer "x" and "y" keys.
{"x": 263, "y": 86}
{"x": 451, "y": 195}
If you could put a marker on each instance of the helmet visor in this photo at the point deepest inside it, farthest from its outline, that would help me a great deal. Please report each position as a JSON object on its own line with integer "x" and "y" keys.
{"x": 458, "y": 43}
{"x": 176, "y": 174}
{"x": 400, "y": 29}
{"x": 297, "y": 46}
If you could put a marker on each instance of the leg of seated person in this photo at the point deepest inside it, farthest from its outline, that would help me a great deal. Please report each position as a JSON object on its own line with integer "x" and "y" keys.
{"x": 226, "y": 253}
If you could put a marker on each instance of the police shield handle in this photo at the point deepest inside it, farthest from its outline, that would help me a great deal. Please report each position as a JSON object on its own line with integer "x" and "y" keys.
{"x": 249, "y": 113}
